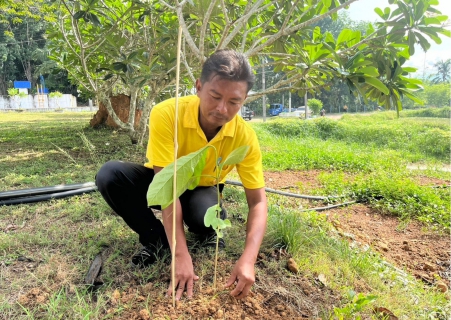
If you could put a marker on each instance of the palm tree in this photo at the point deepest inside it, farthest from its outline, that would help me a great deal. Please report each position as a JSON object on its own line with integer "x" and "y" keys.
{"x": 443, "y": 71}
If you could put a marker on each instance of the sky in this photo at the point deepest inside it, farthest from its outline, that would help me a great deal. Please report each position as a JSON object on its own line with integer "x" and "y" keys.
{"x": 424, "y": 62}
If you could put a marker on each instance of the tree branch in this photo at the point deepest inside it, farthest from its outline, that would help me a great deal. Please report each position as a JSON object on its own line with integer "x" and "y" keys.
{"x": 290, "y": 30}
{"x": 186, "y": 33}
{"x": 204, "y": 26}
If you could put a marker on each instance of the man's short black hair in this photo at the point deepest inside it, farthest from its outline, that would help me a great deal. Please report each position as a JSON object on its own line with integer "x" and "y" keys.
{"x": 228, "y": 65}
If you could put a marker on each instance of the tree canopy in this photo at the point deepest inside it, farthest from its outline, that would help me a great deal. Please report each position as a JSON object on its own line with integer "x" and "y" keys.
{"x": 115, "y": 45}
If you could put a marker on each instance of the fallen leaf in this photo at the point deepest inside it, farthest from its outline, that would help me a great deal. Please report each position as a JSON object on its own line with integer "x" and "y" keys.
{"x": 11, "y": 227}
{"x": 441, "y": 286}
{"x": 322, "y": 279}
{"x": 384, "y": 313}
{"x": 292, "y": 265}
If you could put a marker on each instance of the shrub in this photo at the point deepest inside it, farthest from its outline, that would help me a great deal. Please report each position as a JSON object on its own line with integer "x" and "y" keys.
{"x": 55, "y": 94}
{"x": 315, "y": 105}
{"x": 429, "y": 113}
{"x": 13, "y": 91}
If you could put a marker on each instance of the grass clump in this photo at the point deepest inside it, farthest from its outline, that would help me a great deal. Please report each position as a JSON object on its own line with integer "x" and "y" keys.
{"x": 393, "y": 193}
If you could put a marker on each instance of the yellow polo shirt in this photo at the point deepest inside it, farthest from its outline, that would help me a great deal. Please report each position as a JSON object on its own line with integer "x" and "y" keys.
{"x": 234, "y": 134}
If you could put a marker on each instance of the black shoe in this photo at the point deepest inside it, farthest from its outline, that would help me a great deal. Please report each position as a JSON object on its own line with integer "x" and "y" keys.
{"x": 148, "y": 255}
{"x": 209, "y": 241}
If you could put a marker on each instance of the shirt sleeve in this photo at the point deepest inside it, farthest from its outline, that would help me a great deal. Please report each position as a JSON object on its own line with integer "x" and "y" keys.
{"x": 250, "y": 169}
{"x": 160, "y": 150}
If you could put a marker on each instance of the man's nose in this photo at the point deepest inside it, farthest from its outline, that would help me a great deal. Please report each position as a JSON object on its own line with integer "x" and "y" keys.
{"x": 222, "y": 106}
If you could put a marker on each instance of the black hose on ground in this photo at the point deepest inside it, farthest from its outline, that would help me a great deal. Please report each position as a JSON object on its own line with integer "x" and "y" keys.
{"x": 289, "y": 194}
{"x": 43, "y": 190}
{"x": 43, "y": 197}
{"x": 330, "y": 207}
{"x": 47, "y": 193}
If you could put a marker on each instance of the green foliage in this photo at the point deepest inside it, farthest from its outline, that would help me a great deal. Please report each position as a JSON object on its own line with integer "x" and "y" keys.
{"x": 55, "y": 94}
{"x": 188, "y": 172}
{"x": 315, "y": 105}
{"x": 428, "y": 113}
{"x": 437, "y": 95}
{"x": 13, "y": 92}
{"x": 358, "y": 301}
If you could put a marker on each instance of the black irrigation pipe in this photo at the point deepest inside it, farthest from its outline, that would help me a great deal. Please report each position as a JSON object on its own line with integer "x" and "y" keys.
{"x": 43, "y": 197}
{"x": 47, "y": 193}
{"x": 43, "y": 190}
{"x": 294, "y": 195}
{"x": 330, "y": 207}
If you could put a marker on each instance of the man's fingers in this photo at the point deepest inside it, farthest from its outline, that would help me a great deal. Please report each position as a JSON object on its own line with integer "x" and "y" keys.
{"x": 238, "y": 289}
{"x": 244, "y": 292}
{"x": 231, "y": 280}
{"x": 189, "y": 289}
{"x": 169, "y": 292}
{"x": 180, "y": 289}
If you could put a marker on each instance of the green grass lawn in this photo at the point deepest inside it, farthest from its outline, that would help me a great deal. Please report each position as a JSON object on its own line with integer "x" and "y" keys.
{"x": 361, "y": 158}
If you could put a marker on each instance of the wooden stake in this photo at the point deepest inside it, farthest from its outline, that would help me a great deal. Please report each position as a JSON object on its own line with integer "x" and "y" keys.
{"x": 176, "y": 147}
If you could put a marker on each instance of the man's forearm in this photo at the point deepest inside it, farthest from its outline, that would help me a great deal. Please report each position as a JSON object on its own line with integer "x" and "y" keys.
{"x": 255, "y": 231}
{"x": 181, "y": 246}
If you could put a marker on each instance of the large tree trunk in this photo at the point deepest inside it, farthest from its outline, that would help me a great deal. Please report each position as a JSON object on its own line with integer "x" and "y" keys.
{"x": 121, "y": 107}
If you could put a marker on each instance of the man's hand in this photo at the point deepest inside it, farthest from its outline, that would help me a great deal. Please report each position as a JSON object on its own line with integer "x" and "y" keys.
{"x": 244, "y": 275}
{"x": 184, "y": 276}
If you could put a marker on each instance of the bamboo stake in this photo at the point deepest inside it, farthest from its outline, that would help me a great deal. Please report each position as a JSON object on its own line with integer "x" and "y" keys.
{"x": 174, "y": 190}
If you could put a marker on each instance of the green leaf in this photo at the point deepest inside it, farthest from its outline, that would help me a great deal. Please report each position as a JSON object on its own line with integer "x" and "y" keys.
{"x": 411, "y": 43}
{"x": 132, "y": 55}
{"x": 160, "y": 190}
{"x": 379, "y": 12}
{"x": 344, "y": 36}
{"x": 211, "y": 216}
{"x": 119, "y": 66}
{"x": 371, "y": 71}
{"x": 94, "y": 19}
{"x": 236, "y": 156}
{"x": 79, "y": 14}
{"x": 198, "y": 172}
{"x": 425, "y": 45}
{"x": 212, "y": 219}
{"x": 377, "y": 84}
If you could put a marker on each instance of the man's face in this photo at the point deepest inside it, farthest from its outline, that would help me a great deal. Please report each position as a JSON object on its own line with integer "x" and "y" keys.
{"x": 220, "y": 101}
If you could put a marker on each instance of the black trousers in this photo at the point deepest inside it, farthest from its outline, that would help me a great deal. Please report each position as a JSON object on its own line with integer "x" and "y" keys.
{"x": 124, "y": 186}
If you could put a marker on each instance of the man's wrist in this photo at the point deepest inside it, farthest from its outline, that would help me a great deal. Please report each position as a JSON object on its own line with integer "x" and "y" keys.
{"x": 248, "y": 258}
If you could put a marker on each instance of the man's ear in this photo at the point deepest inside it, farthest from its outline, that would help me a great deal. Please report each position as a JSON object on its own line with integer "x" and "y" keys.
{"x": 198, "y": 85}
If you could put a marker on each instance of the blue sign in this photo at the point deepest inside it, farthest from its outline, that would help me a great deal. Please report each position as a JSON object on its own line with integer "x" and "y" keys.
{"x": 22, "y": 84}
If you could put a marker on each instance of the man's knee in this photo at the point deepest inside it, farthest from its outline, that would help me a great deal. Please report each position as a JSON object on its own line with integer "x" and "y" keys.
{"x": 107, "y": 174}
